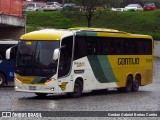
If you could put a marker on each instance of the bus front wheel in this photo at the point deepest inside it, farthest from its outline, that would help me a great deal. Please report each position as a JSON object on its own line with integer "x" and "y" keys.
{"x": 78, "y": 87}
{"x": 2, "y": 79}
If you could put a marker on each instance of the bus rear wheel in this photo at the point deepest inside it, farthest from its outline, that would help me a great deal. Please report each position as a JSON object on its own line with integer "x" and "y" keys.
{"x": 136, "y": 84}
{"x": 78, "y": 87}
{"x": 128, "y": 87}
{"x": 2, "y": 79}
{"x": 129, "y": 83}
{"x": 41, "y": 94}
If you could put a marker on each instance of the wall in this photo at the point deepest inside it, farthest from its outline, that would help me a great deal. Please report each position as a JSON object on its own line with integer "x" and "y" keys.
{"x": 11, "y": 32}
{"x": 12, "y": 23}
{"x": 8, "y": 20}
{"x": 11, "y": 7}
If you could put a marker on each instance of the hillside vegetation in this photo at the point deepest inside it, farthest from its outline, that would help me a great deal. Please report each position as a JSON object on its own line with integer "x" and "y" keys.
{"x": 134, "y": 22}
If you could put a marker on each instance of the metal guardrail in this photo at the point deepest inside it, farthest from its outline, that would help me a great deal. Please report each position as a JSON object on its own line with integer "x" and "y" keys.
{"x": 11, "y": 7}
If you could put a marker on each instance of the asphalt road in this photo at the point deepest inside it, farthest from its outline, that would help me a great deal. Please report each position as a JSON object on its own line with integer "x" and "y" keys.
{"x": 147, "y": 99}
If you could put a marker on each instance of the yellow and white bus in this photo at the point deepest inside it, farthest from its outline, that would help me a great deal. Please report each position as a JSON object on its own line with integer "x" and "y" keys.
{"x": 82, "y": 59}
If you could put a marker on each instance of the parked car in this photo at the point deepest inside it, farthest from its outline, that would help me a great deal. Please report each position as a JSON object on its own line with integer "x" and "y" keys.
{"x": 51, "y": 6}
{"x": 149, "y": 6}
{"x": 117, "y": 9}
{"x": 70, "y": 7}
{"x": 135, "y": 7}
{"x": 34, "y": 7}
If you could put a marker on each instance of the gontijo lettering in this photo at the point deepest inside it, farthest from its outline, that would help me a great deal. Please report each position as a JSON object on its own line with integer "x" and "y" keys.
{"x": 128, "y": 61}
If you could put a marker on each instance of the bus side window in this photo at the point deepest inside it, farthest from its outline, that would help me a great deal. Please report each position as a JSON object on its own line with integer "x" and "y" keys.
{"x": 80, "y": 49}
{"x": 89, "y": 46}
{"x": 147, "y": 47}
{"x": 104, "y": 46}
{"x": 92, "y": 46}
{"x": 99, "y": 46}
{"x": 119, "y": 46}
{"x": 139, "y": 47}
{"x": 111, "y": 47}
{"x": 131, "y": 47}
{"x": 126, "y": 47}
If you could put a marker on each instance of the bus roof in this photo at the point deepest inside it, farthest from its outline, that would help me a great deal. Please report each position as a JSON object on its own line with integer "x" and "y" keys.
{"x": 56, "y": 34}
{"x": 95, "y": 29}
{"x": 46, "y": 34}
{"x": 106, "y": 32}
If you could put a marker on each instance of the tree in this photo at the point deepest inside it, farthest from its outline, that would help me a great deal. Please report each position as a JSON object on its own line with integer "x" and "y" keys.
{"x": 89, "y": 7}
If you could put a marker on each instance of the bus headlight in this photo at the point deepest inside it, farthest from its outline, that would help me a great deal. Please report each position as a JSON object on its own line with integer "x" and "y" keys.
{"x": 18, "y": 80}
{"x": 48, "y": 82}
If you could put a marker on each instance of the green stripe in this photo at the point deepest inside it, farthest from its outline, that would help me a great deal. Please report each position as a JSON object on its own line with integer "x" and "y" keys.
{"x": 86, "y": 33}
{"x": 102, "y": 68}
{"x": 37, "y": 80}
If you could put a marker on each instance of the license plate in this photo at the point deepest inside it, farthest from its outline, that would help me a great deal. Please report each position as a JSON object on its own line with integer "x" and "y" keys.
{"x": 32, "y": 87}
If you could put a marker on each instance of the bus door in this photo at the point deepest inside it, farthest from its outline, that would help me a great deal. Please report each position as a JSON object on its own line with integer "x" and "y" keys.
{"x": 65, "y": 79}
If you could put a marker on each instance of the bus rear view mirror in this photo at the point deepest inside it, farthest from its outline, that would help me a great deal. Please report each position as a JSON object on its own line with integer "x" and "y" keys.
{"x": 56, "y": 54}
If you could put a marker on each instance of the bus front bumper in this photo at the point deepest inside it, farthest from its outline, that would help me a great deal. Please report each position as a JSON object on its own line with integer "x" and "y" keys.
{"x": 41, "y": 88}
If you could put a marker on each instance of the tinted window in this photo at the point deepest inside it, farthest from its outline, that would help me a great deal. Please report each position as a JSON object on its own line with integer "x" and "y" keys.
{"x": 139, "y": 47}
{"x": 81, "y": 48}
{"x": 147, "y": 47}
{"x": 111, "y": 46}
{"x": 36, "y": 58}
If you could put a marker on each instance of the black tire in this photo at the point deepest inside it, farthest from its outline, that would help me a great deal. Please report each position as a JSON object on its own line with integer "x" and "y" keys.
{"x": 78, "y": 87}
{"x": 136, "y": 84}
{"x": 129, "y": 83}
{"x": 128, "y": 87}
{"x": 41, "y": 94}
{"x": 2, "y": 80}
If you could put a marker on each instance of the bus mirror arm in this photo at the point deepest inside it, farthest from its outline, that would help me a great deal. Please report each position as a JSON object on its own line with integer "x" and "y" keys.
{"x": 8, "y": 51}
{"x": 56, "y": 54}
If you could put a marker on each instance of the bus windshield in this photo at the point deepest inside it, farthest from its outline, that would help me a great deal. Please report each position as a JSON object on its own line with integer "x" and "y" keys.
{"x": 34, "y": 58}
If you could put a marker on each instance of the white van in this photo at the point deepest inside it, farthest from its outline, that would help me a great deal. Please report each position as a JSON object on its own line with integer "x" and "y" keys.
{"x": 34, "y": 7}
